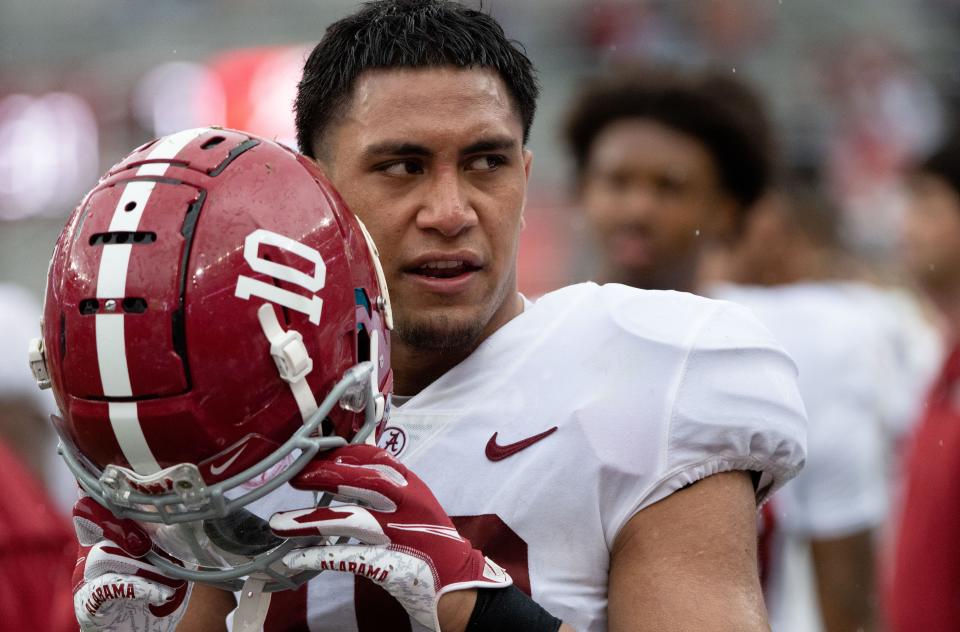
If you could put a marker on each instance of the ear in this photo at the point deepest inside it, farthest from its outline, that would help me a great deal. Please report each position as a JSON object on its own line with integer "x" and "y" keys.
{"x": 527, "y": 166}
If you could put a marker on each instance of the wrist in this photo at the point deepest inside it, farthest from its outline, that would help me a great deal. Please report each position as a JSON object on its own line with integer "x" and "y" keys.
{"x": 510, "y": 610}
{"x": 455, "y": 608}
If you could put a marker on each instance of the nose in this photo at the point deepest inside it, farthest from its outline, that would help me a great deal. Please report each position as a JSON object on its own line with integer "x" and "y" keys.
{"x": 446, "y": 209}
{"x": 639, "y": 203}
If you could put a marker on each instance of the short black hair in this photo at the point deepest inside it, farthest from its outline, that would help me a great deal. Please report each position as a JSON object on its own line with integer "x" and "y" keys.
{"x": 712, "y": 107}
{"x": 407, "y": 34}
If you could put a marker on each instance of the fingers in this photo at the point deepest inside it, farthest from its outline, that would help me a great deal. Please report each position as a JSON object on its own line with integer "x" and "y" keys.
{"x": 179, "y": 596}
{"x": 115, "y": 588}
{"x": 347, "y": 521}
{"x": 361, "y": 560}
{"x": 94, "y": 522}
{"x": 362, "y": 454}
{"x": 378, "y": 486}
{"x": 106, "y": 558}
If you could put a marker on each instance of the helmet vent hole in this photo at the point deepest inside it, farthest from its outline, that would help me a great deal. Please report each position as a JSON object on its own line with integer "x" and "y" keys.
{"x": 145, "y": 146}
{"x": 134, "y": 305}
{"x": 213, "y": 142}
{"x": 63, "y": 336}
{"x": 89, "y": 306}
{"x": 130, "y": 206}
{"x": 123, "y": 237}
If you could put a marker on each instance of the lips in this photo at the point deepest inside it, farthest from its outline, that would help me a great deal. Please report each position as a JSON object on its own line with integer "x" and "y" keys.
{"x": 631, "y": 248}
{"x": 444, "y": 269}
{"x": 444, "y": 273}
{"x": 444, "y": 266}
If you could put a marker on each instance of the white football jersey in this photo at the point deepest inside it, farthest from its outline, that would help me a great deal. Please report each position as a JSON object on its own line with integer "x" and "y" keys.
{"x": 595, "y": 402}
{"x": 846, "y": 386}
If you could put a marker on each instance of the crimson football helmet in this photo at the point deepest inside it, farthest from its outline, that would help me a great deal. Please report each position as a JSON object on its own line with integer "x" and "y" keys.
{"x": 214, "y": 316}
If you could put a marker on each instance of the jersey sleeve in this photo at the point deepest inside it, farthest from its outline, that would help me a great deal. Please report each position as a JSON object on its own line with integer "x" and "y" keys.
{"x": 736, "y": 406}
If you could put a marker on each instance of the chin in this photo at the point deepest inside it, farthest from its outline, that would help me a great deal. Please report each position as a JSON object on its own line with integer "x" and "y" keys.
{"x": 439, "y": 332}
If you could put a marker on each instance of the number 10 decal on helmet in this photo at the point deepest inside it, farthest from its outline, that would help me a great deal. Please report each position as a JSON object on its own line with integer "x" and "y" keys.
{"x": 214, "y": 316}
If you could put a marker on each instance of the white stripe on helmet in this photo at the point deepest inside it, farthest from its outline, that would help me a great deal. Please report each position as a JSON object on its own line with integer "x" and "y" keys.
{"x": 111, "y": 283}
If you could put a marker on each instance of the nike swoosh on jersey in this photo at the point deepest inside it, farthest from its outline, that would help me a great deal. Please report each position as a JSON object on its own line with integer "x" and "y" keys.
{"x": 497, "y": 452}
{"x": 217, "y": 470}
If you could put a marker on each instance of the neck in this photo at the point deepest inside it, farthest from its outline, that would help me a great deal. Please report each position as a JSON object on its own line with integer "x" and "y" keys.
{"x": 415, "y": 368}
{"x": 794, "y": 266}
{"x": 682, "y": 278}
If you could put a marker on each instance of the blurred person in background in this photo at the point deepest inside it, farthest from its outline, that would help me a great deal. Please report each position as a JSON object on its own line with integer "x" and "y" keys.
{"x": 925, "y": 590}
{"x": 667, "y": 163}
{"x": 670, "y": 168}
{"x": 796, "y": 236}
{"x": 784, "y": 266}
{"x": 37, "y": 548}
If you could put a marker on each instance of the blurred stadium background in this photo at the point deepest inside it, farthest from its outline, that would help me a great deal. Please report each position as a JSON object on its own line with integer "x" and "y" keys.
{"x": 856, "y": 86}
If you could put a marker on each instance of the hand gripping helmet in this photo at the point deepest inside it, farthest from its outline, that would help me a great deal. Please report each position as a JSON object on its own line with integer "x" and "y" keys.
{"x": 214, "y": 316}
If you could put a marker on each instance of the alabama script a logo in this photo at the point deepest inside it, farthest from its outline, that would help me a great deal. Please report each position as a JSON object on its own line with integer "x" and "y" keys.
{"x": 393, "y": 440}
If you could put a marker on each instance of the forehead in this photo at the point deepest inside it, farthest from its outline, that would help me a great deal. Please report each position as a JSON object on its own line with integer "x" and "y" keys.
{"x": 642, "y": 142}
{"x": 428, "y": 104}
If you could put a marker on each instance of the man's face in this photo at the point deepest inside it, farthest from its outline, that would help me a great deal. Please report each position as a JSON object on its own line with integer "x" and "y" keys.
{"x": 931, "y": 233}
{"x": 432, "y": 161}
{"x": 652, "y": 200}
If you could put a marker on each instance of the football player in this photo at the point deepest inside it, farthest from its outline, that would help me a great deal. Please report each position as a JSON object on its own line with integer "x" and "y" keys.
{"x": 673, "y": 169}
{"x": 607, "y": 446}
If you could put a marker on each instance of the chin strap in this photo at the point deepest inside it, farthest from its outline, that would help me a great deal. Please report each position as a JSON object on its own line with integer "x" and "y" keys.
{"x": 252, "y": 610}
{"x": 291, "y": 357}
{"x": 377, "y": 399}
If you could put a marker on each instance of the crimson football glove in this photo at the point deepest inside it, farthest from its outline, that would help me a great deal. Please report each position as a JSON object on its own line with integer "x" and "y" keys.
{"x": 406, "y": 542}
{"x": 115, "y": 590}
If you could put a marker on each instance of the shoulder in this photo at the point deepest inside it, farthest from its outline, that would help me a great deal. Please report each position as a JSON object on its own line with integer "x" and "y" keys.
{"x": 593, "y": 314}
{"x": 681, "y": 387}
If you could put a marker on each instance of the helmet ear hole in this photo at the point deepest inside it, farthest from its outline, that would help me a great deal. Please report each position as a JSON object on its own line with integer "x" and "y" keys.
{"x": 363, "y": 344}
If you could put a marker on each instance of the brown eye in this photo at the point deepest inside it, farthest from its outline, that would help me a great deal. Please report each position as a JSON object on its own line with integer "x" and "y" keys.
{"x": 403, "y": 168}
{"x": 485, "y": 163}
{"x": 617, "y": 181}
{"x": 671, "y": 184}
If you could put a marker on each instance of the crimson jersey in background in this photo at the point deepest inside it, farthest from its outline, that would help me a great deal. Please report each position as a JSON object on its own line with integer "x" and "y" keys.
{"x": 926, "y": 584}
{"x": 37, "y": 554}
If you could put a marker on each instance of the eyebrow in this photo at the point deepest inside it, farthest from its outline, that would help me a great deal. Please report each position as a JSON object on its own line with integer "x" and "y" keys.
{"x": 404, "y": 148}
{"x": 496, "y": 143}
{"x": 396, "y": 148}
